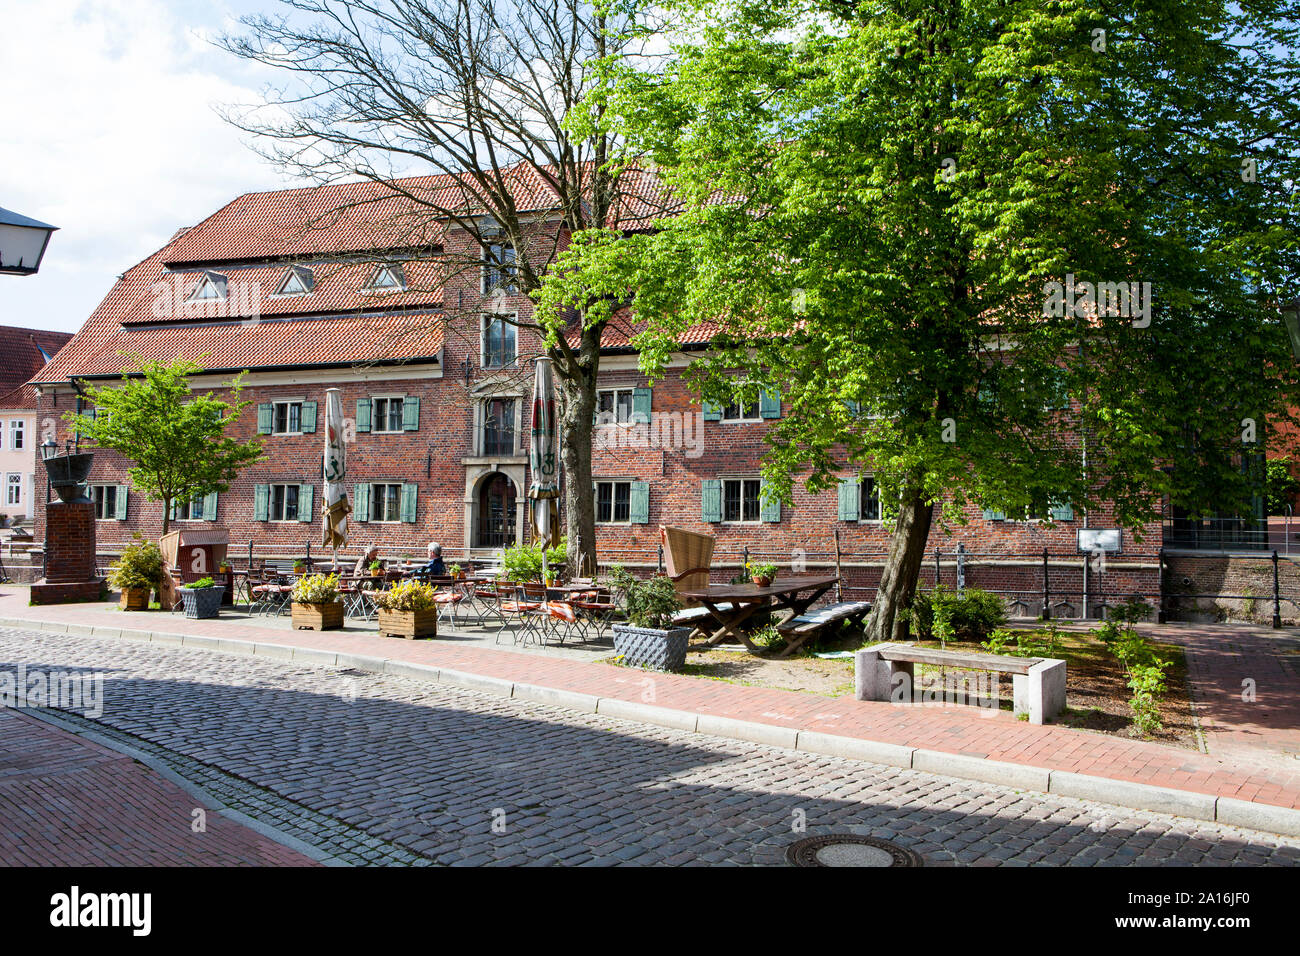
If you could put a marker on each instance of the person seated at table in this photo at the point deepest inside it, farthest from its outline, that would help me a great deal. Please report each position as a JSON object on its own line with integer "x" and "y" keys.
{"x": 435, "y": 568}
{"x": 363, "y": 563}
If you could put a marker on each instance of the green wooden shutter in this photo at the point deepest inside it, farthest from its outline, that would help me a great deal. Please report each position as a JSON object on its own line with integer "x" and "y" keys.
{"x": 711, "y": 500}
{"x": 852, "y": 407}
{"x": 361, "y": 502}
{"x": 306, "y": 503}
{"x": 712, "y": 413}
{"x": 769, "y": 511}
{"x": 992, "y": 514}
{"x": 264, "y": 411}
{"x": 210, "y": 507}
{"x": 363, "y": 414}
{"x": 307, "y": 418}
{"x": 122, "y": 492}
{"x": 850, "y": 499}
{"x": 1061, "y": 511}
{"x": 174, "y": 511}
{"x": 769, "y": 404}
{"x": 262, "y": 503}
{"x": 408, "y": 501}
{"x": 641, "y": 405}
{"x": 411, "y": 413}
{"x": 639, "y": 502}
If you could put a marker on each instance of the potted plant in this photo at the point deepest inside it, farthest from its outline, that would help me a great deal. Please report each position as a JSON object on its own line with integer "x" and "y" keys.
{"x": 376, "y": 567}
{"x": 136, "y": 573}
{"x": 202, "y": 598}
{"x": 408, "y": 610}
{"x": 761, "y": 574}
{"x": 299, "y": 566}
{"x": 649, "y": 639}
{"x": 455, "y": 572}
{"x": 317, "y": 605}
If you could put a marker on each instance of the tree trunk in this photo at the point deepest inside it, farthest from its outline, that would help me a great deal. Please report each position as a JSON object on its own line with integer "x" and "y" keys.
{"x": 575, "y": 457}
{"x": 902, "y": 567}
{"x": 167, "y": 511}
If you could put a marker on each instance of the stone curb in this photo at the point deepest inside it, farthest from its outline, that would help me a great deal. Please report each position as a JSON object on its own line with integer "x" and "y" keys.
{"x": 1121, "y": 793}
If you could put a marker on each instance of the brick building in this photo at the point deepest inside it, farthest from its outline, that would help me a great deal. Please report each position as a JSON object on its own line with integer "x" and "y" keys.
{"x": 302, "y": 297}
{"x": 25, "y": 351}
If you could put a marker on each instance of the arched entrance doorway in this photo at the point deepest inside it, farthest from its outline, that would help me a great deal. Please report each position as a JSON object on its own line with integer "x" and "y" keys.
{"x": 496, "y": 512}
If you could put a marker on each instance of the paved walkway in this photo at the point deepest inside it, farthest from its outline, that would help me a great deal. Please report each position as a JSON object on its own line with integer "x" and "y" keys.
{"x": 957, "y": 730}
{"x": 67, "y": 801}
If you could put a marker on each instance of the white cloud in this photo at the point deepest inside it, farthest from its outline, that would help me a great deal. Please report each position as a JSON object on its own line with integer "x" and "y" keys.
{"x": 110, "y": 133}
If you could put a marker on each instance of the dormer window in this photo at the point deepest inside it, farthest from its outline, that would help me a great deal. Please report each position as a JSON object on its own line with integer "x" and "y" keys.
{"x": 298, "y": 280}
{"x": 211, "y": 288}
{"x": 387, "y": 279}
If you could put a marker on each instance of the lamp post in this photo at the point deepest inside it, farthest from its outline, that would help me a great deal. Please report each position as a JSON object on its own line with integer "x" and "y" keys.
{"x": 22, "y": 243}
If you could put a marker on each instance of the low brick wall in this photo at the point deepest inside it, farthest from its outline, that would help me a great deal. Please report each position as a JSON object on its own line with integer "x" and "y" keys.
{"x": 1230, "y": 587}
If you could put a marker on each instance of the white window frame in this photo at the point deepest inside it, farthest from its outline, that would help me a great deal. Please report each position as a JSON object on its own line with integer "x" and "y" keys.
{"x": 758, "y": 499}
{"x": 190, "y": 506}
{"x": 10, "y": 486}
{"x": 374, "y": 413}
{"x": 375, "y": 486}
{"x": 613, "y": 500}
{"x": 18, "y": 428}
{"x": 275, "y": 404}
{"x": 210, "y": 279}
{"x": 481, "y": 431}
{"x": 270, "y": 502}
{"x": 395, "y": 270}
{"x": 510, "y": 268}
{"x": 508, "y": 320}
{"x": 100, "y": 499}
{"x": 290, "y": 274}
{"x": 630, "y": 391}
{"x": 863, "y": 498}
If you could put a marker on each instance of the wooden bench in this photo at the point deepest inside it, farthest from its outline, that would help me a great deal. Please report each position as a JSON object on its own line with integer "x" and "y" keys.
{"x": 799, "y": 628}
{"x": 887, "y": 672}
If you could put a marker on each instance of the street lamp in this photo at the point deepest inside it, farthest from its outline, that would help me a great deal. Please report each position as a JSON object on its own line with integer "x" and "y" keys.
{"x": 22, "y": 243}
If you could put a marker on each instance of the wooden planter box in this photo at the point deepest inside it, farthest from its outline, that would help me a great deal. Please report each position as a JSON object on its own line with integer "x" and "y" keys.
{"x": 318, "y": 617}
{"x": 135, "y": 599}
{"x": 408, "y": 624}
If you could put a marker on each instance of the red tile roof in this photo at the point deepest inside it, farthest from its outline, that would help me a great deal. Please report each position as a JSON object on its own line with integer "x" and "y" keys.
{"x": 21, "y": 349}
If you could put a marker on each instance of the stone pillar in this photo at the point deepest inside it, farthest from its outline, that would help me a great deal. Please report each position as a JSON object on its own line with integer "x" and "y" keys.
{"x": 70, "y": 555}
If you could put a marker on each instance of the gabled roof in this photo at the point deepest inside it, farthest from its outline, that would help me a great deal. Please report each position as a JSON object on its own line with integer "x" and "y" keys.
{"x": 21, "y": 349}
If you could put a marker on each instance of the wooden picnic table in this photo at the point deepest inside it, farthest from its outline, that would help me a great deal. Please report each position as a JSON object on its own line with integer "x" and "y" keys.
{"x": 731, "y": 605}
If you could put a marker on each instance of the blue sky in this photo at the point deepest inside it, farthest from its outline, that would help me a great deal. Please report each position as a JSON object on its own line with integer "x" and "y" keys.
{"x": 110, "y": 133}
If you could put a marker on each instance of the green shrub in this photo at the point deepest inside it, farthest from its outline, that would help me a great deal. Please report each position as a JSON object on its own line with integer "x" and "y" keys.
{"x": 523, "y": 562}
{"x": 201, "y": 583}
{"x": 140, "y": 566}
{"x": 948, "y": 615}
{"x": 1039, "y": 643}
{"x": 317, "y": 589}
{"x": 653, "y": 602}
{"x": 1146, "y": 672}
{"x": 407, "y": 596}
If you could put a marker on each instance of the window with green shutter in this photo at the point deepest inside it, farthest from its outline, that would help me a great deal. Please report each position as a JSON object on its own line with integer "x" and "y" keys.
{"x": 363, "y": 414}
{"x": 408, "y": 502}
{"x": 711, "y": 500}
{"x": 361, "y": 502}
{"x": 640, "y": 502}
{"x": 262, "y": 503}
{"x": 264, "y": 412}
{"x": 411, "y": 413}
{"x": 770, "y": 509}
{"x": 993, "y": 514}
{"x": 712, "y": 413}
{"x": 120, "y": 510}
{"x": 210, "y": 507}
{"x": 1061, "y": 511}
{"x": 306, "y": 497}
{"x": 850, "y": 499}
{"x": 641, "y": 398}
{"x": 769, "y": 404}
{"x": 307, "y": 418}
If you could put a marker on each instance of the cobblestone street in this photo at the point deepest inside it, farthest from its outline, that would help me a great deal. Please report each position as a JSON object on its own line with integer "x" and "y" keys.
{"x": 378, "y": 769}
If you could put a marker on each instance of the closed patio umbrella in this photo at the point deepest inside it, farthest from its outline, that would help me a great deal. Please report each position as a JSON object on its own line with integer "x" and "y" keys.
{"x": 543, "y": 461}
{"x": 335, "y": 511}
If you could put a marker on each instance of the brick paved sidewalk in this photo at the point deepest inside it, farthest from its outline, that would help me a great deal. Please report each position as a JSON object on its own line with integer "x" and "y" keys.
{"x": 66, "y": 801}
{"x": 958, "y": 730}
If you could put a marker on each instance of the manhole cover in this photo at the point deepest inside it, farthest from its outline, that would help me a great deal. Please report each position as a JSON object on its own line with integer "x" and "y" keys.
{"x": 845, "y": 849}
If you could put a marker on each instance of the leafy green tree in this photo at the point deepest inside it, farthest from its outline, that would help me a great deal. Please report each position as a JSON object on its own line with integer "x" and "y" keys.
{"x": 876, "y": 198}
{"x": 176, "y": 437}
{"x": 1281, "y": 485}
